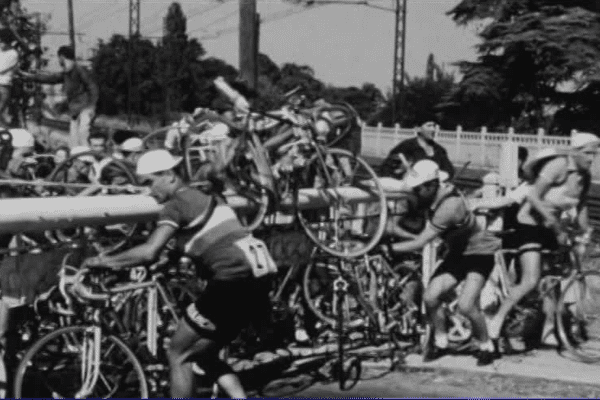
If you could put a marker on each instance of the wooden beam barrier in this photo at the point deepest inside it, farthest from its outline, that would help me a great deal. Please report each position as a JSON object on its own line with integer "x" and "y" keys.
{"x": 47, "y": 213}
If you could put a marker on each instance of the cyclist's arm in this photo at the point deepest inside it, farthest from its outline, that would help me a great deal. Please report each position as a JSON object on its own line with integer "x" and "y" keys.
{"x": 447, "y": 215}
{"x": 142, "y": 254}
{"x": 493, "y": 204}
{"x": 551, "y": 173}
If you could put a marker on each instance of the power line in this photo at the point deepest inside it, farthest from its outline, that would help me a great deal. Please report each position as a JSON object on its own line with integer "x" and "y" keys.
{"x": 105, "y": 17}
{"x": 224, "y": 17}
{"x": 92, "y": 15}
{"x": 270, "y": 18}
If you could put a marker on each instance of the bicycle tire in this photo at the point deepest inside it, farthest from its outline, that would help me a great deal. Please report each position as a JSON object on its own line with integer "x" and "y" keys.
{"x": 55, "y": 176}
{"x": 314, "y": 303}
{"x": 27, "y": 362}
{"x": 573, "y": 328}
{"x": 375, "y": 188}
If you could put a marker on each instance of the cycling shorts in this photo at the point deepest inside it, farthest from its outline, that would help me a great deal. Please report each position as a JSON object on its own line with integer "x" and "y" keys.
{"x": 534, "y": 236}
{"x": 459, "y": 265}
{"x": 224, "y": 308}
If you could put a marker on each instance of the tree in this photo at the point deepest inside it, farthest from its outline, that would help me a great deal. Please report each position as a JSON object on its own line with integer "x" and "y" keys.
{"x": 421, "y": 99}
{"x": 178, "y": 61}
{"x": 528, "y": 50}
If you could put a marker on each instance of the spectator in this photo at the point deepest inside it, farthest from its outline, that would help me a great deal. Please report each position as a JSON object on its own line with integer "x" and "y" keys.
{"x": 421, "y": 147}
{"x": 98, "y": 144}
{"x": 132, "y": 149}
{"x": 81, "y": 91}
{"x": 61, "y": 154}
{"x": 9, "y": 61}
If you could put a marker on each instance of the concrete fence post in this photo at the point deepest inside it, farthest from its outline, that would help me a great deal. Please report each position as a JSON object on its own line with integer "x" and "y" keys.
{"x": 457, "y": 142}
{"x": 482, "y": 139}
{"x": 378, "y": 140}
{"x": 540, "y": 138}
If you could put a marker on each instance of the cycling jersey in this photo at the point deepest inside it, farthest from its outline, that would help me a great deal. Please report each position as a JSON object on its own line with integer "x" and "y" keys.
{"x": 450, "y": 215}
{"x": 564, "y": 195}
{"x": 207, "y": 230}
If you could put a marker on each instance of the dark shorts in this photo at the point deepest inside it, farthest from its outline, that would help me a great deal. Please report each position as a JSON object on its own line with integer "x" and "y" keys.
{"x": 460, "y": 265}
{"x": 534, "y": 236}
{"x": 224, "y": 308}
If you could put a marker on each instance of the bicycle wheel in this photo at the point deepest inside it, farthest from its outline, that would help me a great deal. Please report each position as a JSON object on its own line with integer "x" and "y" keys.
{"x": 53, "y": 367}
{"x": 81, "y": 169}
{"x": 578, "y": 316}
{"x": 320, "y": 296}
{"x": 343, "y": 229}
{"x": 253, "y": 179}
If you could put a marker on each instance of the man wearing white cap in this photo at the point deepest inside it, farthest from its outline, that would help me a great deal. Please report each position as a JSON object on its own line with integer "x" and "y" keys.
{"x": 470, "y": 257}
{"x": 559, "y": 183}
{"x": 23, "y": 144}
{"x": 132, "y": 150}
{"x": 226, "y": 257}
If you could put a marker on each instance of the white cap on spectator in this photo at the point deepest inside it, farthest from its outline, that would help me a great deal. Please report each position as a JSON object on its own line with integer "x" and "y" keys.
{"x": 77, "y": 150}
{"x": 155, "y": 161}
{"x": 422, "y": 172}
{"x": 22, "y": 138}
{"x": 580, "y": 140}
{"x": 133, "y": 145}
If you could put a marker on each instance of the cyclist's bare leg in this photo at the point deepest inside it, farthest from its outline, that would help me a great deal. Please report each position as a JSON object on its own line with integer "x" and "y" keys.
{"x": 182, "y": 375}
{"x": 549, "y": 307}
{"x": 468, "y": 305}
{"x": 187, "y": 346}
{"x": 531, "y": 266}
{"x": 434, "y": 295}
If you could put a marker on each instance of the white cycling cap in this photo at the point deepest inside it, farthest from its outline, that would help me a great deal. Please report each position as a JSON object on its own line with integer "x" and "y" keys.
{"x": 156, "y": 161}
{"x": 79, "y": 150}
{"x": 580, "y": 140}
{"x": 133, "y": 144}
{"x": 22, "y": 138}
{"x": 422, "y": 172}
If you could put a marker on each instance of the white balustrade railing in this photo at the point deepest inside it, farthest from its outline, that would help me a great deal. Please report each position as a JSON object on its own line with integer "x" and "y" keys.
{"x": 482, "y": 149}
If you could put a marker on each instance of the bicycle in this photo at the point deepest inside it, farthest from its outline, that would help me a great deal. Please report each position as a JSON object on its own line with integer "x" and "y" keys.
{"x": 111, "y": 316}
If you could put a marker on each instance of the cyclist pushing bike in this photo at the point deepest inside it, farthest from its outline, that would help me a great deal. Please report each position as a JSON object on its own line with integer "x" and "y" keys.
{"x": 558, "y": 187}
{"x": 234, "y": 264}
{"x": 469, "y": 258}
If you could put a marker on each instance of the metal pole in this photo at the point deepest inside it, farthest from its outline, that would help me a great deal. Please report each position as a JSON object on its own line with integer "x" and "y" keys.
{"x": 395, "y": 69}
{"x": 248, "y": 42}
{"x": 402, "y": 54}
{"x": 71, "y": 24}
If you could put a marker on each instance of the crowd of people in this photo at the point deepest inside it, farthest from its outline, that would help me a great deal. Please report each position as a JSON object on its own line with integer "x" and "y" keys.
{"x": 553, "y": 186}
{"x": 552, "y": 191}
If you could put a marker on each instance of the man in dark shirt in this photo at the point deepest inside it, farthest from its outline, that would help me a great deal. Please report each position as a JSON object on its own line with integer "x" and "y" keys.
{"x": 81, "y": 91}
{"x": 421, "y": 147}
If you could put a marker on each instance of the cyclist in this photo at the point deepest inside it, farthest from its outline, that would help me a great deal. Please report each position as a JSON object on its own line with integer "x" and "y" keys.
{"x": 469, "y": 257}
{"x": 210, "y": 234}
{"x": 559, "y": 183}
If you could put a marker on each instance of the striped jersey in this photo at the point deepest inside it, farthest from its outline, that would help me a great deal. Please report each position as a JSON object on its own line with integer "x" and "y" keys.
{"x": 207, "y": 229}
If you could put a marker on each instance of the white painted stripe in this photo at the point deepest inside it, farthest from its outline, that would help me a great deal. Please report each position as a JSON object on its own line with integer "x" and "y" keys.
{"x": 221, "y": 214}
{"x": 168, "y": 222}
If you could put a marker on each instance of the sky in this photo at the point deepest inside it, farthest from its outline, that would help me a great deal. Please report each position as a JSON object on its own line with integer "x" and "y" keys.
{"x": 346, "y": 45}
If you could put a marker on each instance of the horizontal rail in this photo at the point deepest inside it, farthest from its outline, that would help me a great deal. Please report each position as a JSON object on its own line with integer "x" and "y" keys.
{"x": 47, "y": 213}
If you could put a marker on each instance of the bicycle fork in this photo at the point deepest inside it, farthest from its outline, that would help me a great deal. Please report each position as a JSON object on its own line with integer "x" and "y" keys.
{"x": 90, "y": 361}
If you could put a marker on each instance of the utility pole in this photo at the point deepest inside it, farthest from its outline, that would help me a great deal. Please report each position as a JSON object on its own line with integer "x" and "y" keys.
{"x": 71, "y": 25}
{"x": 134, "y": 33}
{"x": 248, "y": 50}
{"x": 399, "y": 52}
